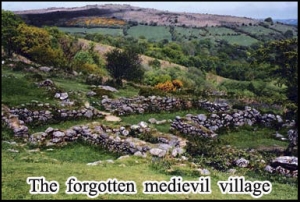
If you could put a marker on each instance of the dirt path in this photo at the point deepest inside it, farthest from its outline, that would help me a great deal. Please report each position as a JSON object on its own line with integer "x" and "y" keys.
{"x": 109, "y": 117}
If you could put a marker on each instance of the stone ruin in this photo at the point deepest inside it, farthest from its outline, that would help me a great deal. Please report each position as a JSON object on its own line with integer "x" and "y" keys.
{"x": 115, "y": 140}
{"x": 141, "y": 104}
{"x": 120, "y": 140}
{"x": 207, "y": 126}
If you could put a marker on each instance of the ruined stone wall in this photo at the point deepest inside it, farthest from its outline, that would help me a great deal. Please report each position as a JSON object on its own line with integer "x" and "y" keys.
{"x": 141, "y": 104}
{"x": 204, "y": 126}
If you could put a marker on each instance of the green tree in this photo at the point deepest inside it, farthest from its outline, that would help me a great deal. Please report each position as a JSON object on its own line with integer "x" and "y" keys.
{"x": 35, "y": 44}
{"x": 9, "y": 25}
{"x": 124, "y": 64}
{"x": 282, "y": 59}
{"x": 289, "y": 34}
{"x": 269, "y": 19}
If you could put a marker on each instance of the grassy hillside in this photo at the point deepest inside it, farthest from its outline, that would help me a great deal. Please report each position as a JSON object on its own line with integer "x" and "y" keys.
{"x": 46, "y": 64}
{"x": 246, "y": 35}
{"x": 60, "y": 163}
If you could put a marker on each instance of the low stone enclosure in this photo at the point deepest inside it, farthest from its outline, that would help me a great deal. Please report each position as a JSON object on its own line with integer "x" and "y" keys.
{"x": 141, "y": 104}
{"x": 129, "y": 139}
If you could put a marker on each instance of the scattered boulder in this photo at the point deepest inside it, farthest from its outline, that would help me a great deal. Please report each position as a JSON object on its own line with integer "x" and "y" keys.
{"x": 45, "y": 69}
{"x": 243, "y": 163}
{"x": 46, "y": 83}
{"x": 203, "y": 171}
{"x": 91, "y": 94}
{"x": 108, "y": 88}
{"x": 61, "y": 96}
{"x": 158, "y": 152}
{"x": 94, "y": 163}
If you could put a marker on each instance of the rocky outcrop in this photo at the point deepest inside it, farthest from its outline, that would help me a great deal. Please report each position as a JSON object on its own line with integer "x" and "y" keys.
{"x": 284, "y": 165}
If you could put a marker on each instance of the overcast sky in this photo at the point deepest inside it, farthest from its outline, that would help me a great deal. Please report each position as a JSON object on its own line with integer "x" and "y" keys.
{"x": 257, "y": 10}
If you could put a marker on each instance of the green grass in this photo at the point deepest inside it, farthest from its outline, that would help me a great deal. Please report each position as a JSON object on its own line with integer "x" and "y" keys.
{"x": 104, "y": 31}
{"x": 19, "y": 90}
{"x": 190, "y": 33}
{"x": 53, "y": 165}
{"x": 257, "y": 30}
{"x": 242, "y": 39}
{"x": 70, "y": 85}
{"x": 135, "y": 119}
{"x": 62, "y": 125}
{"x": 127, "y": 91}
{"x": 219, "y": 30}
{"x": 284, "y": 28}
{"x": 155, "y": 33}
{"x": 253, "y": 137}
{"x": 71, "y": 160}
{"x": 80, "y": 153}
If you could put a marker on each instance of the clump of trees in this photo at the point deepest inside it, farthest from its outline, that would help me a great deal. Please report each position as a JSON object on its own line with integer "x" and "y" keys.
{"x": 124, "y": 64}
{"x": 9, "y": 25}
{"x": 281, "y": 63}
{"x": 48, "y": 46}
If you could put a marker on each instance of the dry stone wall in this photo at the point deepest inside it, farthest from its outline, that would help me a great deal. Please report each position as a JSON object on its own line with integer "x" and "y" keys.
{"x": 114, "y": 139}
{"x": 206, "y": 126}
{"x": 141, "y": 104}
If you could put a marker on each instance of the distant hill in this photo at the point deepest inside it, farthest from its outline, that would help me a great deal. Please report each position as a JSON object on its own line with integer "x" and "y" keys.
{"x": 157, "y": 25}
{"x": 127, "y": 13}
{"x": 287, "y": 21}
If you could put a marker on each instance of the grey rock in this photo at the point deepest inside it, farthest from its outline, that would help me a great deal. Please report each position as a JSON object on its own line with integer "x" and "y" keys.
{"x": 127, "y": 109}
{"x": 174, "y": 152}
{"x": 269, "y": 169}
{"x": 202, "y": 117}
{"x": 70, "y": 133}
{"x": 161, "y": 122}
{"x": 279, "y": 119}
{"x": 64, "y": 96}
{"x": 152, "y": 120}
{"x": 134, "y": 127}
{"x": 184, "y": 158}
{"x": 243, "y": 163}
{"x": 88, "y": 114}
{"x": 91, "y": 93}
{"x": 157, "y": 152}
{"x": 278, "y": 135}
{"x": 288, "y": 162}
{"x": 204, "y": 171}
{"x": 123, "y": 157}
{"x": 94, "y": 163}
{"x": 58, "y": 134}
{"x": 45, "y": 69}
{"x": 165, "y": 147}
{"x": 138, "y": 153}
{"x": 108, "y": 88}
{"x": 56, "y": 140}
{"x": 213, "y": 128}
{"x": 143, "y": 124}
{"x": 57, "y": 95}
{"x": 47, "y": 82}
{"x": 125, "y": 132}
{"x": 13, "y": 150}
